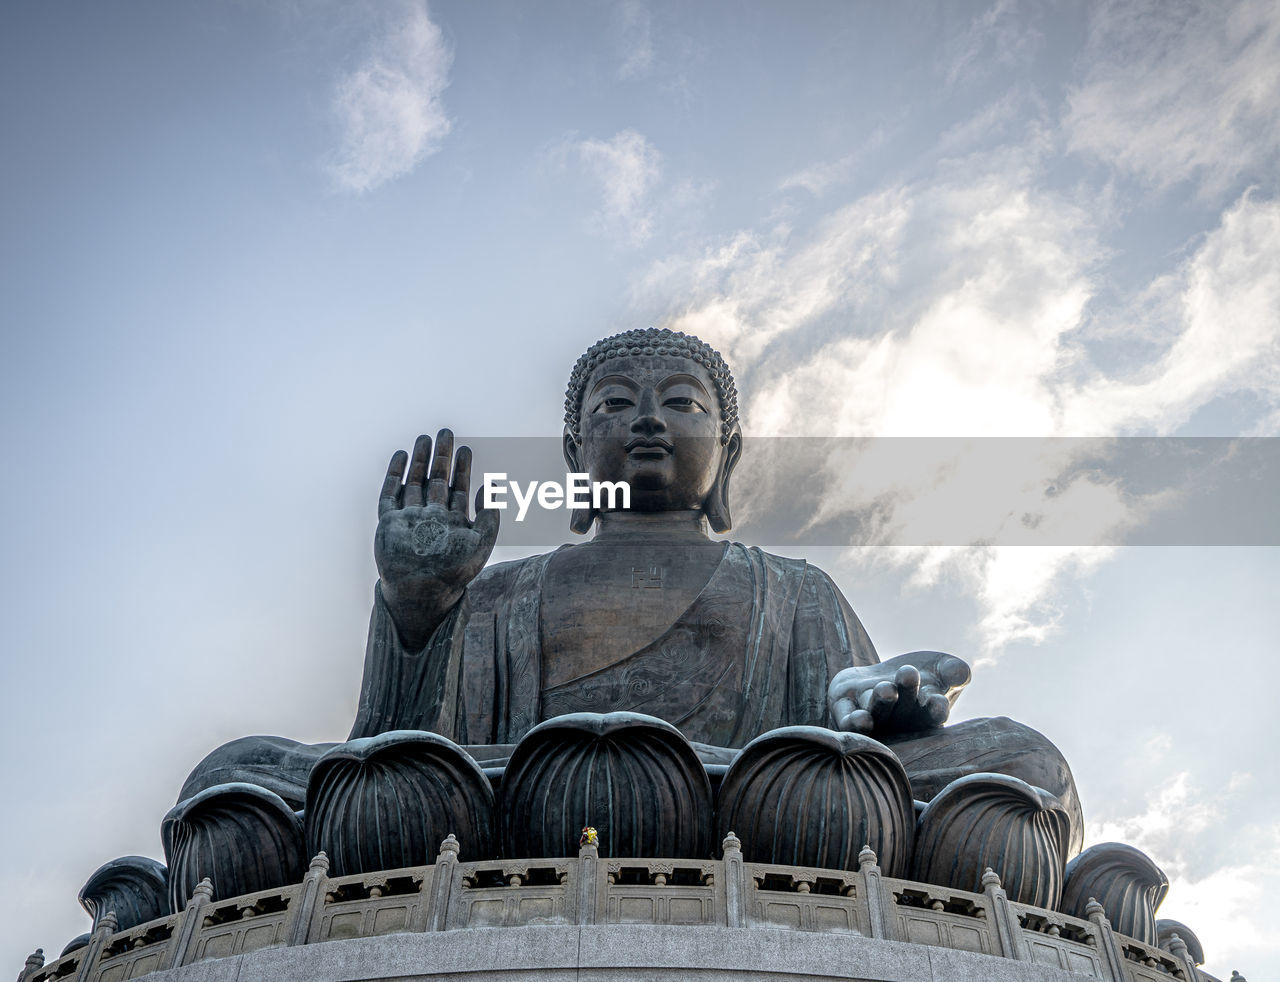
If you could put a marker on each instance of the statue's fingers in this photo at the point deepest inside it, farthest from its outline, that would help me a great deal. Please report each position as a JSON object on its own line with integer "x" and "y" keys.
{"x": 414, "y": 485}
{"x": 842, "y": 707}
{"x": 389, "y": 499}
{"x": 487, "y": 521}
{"x": 934, "y": 706}
{"x": 842, "y": 683}
{"x": 460, "y": 491}
{"x": 438, "y": 481}
{"x": 858, "y": 721}
{"x": 907, "y": 679}
{"x": 880, "y": 699}
{"x": 953, "y": 672}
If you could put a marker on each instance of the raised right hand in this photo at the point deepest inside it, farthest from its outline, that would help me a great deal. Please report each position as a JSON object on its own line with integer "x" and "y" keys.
{"x": 426, "y": 548}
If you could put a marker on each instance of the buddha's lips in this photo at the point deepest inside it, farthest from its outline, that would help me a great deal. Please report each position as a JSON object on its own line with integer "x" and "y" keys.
{"x": 651, "y": 445}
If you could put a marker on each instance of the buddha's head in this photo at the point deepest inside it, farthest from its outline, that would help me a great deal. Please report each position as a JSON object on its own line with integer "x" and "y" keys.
{"x": 659, "y": 410}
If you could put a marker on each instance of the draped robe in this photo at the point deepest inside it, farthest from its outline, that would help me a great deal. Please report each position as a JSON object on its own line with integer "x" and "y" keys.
{"x": 753, "y": 651}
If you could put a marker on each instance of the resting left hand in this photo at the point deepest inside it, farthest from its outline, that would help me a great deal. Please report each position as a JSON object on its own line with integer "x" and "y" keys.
{"x": 905, "y": 694}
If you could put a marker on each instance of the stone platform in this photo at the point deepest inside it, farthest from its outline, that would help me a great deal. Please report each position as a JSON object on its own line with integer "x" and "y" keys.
{"x": 653, "y": 953}
{"x": 589, "y": 917}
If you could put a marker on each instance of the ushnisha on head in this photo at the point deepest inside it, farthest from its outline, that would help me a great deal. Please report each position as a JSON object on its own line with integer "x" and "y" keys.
{"x": 658, "y": 409}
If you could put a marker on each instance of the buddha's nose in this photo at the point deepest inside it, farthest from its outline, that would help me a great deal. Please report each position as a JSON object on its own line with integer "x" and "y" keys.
{"x": 648, "y": 415}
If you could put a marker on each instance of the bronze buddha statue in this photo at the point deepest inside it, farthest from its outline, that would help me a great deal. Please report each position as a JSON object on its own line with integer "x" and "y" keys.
{"x": 650, "y": 615}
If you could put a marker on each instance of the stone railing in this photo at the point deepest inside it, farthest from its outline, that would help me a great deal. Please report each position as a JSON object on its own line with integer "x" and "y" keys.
{"x": 588, "y": 889}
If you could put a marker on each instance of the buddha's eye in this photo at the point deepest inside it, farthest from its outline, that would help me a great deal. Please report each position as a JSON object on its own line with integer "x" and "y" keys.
{"x": 683, "y": 404}
{"x": 613, "y": 404}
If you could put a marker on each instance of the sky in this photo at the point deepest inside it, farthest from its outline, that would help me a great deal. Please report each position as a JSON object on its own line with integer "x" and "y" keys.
{"x": 249, "y": 250}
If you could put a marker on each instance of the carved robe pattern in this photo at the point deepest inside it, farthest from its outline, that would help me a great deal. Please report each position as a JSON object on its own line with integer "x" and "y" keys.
{"x": 724, "y": 671}
{"x": 754, "y": 650}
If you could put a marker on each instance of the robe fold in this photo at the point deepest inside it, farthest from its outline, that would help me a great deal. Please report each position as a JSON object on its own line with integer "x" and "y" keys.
{"x": 753, "y": 651}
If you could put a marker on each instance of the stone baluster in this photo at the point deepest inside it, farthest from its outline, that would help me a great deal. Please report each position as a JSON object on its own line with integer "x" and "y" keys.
{"x": 298, "y": 931}
{"x": 93, "y": 950}
{"x": 421, "y": 919}
{"x": 1108, "y": 947}
{"x": 443, "y": 895}
{"x": 873, "y": 888}
{"x": 1004, "y": 920}
{"x": 588, "y": 888}
{"x": 35, "y": 962}
{"x": 183, "y": 942}
{"x": 735, "y": 883}
{"x": 1178, "y": 948}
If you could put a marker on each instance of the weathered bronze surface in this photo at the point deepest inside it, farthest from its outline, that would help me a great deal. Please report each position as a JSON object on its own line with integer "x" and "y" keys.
{"x": 934, "y": 758}
{"x": 385, "y": 802}
{"x": 134, "y": 888}
{"x": 662, "y": 687}
{"x": 809, "y": 796}
{"x": 1124, "y": 880}
{"x": 1167, "y": 928}
{"x": 277, "y": 764}
{"x": 993, "y": 821}
{"x": 241, "y": 837}
{"x": 650, "y": 615}
{"x": 634, "y": 777}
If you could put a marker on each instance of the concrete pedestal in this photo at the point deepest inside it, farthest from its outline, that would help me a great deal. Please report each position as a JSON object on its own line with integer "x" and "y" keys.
{"x": 653, "y": 953}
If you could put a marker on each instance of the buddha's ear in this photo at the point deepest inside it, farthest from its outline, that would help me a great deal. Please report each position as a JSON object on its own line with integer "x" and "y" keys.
{"x": 580, "y": 519}
{"x": 717, "y": 507}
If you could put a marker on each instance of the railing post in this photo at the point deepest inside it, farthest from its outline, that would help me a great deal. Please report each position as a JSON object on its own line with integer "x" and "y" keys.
{"x": 442, "y": 898}
{"x": 1008, "y": 930}
{"x": 873, "y": 888}
{"x": 588, "y": 889}
{"x": 183, "y": 942}
{"x": 304, "y": 908}
{"x": 735, "y": 883}
{"x": 421, "y": 920}
{"x": 1178, "y": 948}
{"x": 35, "y": 962}
{"x": 93, "y": 950}
{"x": 1108, "y": 949}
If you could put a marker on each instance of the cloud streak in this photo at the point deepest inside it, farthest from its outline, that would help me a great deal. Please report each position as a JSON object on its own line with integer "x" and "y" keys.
{"x": 1216, "y": 323}
{"x": 634, "y": 29}
{"x": 389, "y": 108}
{"x": 1218, "y": 895}
{"x": 968, "y": 305}
{"x": 1181, "y": 91}
{"x": 625, "y": 170}
{"x": 993, "y": 38}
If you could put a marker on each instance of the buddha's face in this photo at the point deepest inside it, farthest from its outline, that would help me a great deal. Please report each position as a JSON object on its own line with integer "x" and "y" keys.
{"x": 654, "y": 422}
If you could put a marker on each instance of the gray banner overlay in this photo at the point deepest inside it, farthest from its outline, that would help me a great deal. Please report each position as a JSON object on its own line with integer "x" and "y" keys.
{"x": 845, "y": 491}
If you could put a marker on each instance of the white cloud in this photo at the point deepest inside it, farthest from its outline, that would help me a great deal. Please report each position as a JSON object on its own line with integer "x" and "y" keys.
{"x": 818, "y": 178}
{"x": 1218, "y": 316}
{"x": 1218, "y": 900}
{"x": 976, "y": 282}
{"x": 1177, "y": 90}
{"x": 1176, "y": 813}
{"x": 390, "y": 107}
{"x": 1014, "y": 585}
{"x": 635, "y": 39}
{"x": 996, "y": 37}
{"x": 752, "y": 289}
{"x": 626, "y": 169}
{"x": 964, "y": 306}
